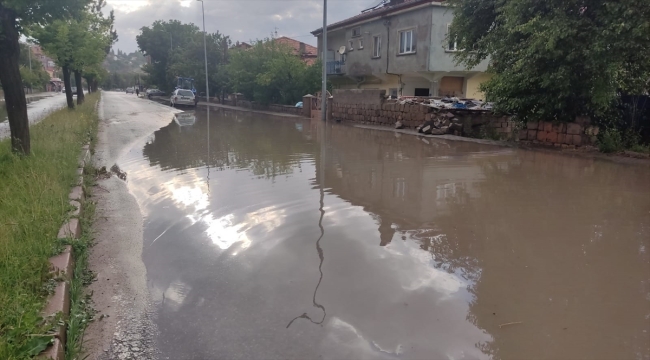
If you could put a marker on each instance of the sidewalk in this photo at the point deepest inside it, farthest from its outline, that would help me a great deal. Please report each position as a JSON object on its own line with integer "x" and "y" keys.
{"x": 249, "y": 110}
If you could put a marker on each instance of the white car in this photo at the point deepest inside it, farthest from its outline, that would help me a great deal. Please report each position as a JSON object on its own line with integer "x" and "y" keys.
{"x": 182, "y": 97}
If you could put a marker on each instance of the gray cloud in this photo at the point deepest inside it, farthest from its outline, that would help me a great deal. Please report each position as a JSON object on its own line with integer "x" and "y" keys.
{"x": 242, "y": 20}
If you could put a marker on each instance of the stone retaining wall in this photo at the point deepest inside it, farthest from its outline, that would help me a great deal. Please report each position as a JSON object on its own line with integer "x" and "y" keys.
{"x": 362, "y": 106}
{"x": 579, "y": 133}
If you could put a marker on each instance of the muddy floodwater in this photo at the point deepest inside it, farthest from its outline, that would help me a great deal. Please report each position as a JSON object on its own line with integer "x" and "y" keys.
{"x": 276, "y": 238}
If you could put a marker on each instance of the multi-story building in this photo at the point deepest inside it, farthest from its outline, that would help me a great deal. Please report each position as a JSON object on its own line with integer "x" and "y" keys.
{"x": 400, "y": 46}
{"x": 48, "y": 64}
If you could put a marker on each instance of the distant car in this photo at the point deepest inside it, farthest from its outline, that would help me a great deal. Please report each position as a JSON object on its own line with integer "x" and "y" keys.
{"x": 299, "y": 105}
{"x": 130, "y": 90}
{"x": 182, "y": 97}
{"x": 74, "y": 90}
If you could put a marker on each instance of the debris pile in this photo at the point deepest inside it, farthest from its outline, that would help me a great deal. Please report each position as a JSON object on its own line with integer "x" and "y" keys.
{"x": 448, "y": 103}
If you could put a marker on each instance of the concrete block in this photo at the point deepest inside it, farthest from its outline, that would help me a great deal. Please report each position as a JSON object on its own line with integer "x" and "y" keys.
{"x": 76, "y": 193}
{"x": 541, "y": 136}
{"x": 551, "y": 137}
{"x": 576, "y": 140}
{"x": 77, "y": 208}
{"x": 548, "y": 126}
{"x": 532, "y": 125}
{"x": 61, "y": 265}
{"x": 574, "y": 129}
{"x": 561, "y": 138}
{"x": 532, "y": 134}
{"x": 70, "y": 229}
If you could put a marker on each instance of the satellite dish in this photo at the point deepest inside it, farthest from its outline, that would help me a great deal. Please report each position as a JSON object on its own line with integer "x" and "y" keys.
{"x": 342, "y": 50}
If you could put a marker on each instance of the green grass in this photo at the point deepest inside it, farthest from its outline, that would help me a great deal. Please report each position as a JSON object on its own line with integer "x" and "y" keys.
{"x": 33, "y": 205}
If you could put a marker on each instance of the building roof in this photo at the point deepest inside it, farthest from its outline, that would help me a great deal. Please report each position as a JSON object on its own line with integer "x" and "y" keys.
{"x": 308, "y": 53}
{"x": 388, "y": 8}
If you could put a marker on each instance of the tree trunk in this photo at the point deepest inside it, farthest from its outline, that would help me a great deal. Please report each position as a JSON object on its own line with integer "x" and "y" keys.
{"x": 68, "y": 89}
{"x": 80, "y": 87}
{"x": 12, "y": 83}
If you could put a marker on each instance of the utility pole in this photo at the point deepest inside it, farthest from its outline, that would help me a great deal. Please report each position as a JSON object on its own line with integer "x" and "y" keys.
{"x": 30, "y": 57}
{"x": 171, "y": 42}
{"x": 323, "y": 105}
{"x": 205, "y": 54}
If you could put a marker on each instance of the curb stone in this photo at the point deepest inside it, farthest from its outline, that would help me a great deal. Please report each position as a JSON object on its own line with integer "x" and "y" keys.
{"x": 61, "y": 267}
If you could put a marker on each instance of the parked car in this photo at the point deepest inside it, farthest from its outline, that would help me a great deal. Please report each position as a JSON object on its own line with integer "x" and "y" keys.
{"x": 130, "y": 90}
{"x": 154, "y": 92}
{"x": 299, "y": 105}
{"x": 182, "y": 97}
{"x": 74, "y": 90}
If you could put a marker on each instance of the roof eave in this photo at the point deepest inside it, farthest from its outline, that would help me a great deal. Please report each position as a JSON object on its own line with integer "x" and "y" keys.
{"x": 352, "y": 20}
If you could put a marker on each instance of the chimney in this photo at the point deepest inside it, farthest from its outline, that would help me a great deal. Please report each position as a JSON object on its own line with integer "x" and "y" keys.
{"x": 302, "y": 48}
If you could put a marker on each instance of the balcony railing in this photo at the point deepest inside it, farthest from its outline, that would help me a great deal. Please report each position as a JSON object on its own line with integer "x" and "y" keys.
{"x": 335, "y": 68}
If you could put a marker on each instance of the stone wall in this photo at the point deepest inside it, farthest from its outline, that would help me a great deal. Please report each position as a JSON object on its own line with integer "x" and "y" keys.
{"x": 575, "y": 134}
{"x": 389, "y": 112}
{"x": 362, "y": 106}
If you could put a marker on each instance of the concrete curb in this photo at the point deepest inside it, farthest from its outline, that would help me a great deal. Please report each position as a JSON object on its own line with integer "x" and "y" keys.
{"x": 62, "y": 266}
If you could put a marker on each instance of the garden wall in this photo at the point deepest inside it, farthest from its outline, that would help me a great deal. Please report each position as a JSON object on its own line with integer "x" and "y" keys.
{"x": 370, "y": 107}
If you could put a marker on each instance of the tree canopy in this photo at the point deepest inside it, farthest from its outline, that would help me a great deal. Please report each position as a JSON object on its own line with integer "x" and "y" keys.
{"x": 556, "y": 59}
{"x": 176, "y": 49}
{"x": 270, "y": 72}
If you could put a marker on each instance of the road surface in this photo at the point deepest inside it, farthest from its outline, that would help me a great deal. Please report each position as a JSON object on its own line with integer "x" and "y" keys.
{"x": 248, "y": 236}
{"x": 37, "y": 109}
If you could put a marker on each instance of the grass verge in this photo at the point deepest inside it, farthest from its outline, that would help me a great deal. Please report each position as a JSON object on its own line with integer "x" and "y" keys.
{"x": 33, "y": 205}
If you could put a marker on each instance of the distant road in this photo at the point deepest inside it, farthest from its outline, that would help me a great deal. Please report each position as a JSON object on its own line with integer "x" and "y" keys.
{"x": 37, "y": 110}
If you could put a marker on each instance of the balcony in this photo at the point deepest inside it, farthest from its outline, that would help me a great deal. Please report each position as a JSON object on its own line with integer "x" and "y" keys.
{"x": 335, "y": 68}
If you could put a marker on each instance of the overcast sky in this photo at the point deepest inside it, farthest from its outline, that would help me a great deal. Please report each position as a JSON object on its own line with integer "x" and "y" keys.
{"x": 242, "y": 20}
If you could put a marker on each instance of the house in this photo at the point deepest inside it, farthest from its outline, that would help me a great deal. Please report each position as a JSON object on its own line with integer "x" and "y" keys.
{"x": 399, "y": 46}
{"x": 48, "y": 64}
{"x": 306, "y": 52}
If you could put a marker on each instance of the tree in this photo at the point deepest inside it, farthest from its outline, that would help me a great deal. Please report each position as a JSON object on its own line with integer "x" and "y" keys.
{"x": 78, "y": 45}
{"x": 270, "y": 72}
{"x": 15, "y": 15}
{"x": 555, "y": 59}
{"x": 176, "y": 49}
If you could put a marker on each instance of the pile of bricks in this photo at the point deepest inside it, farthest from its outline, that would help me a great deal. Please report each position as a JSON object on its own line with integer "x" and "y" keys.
{"x": 576, "y": 134}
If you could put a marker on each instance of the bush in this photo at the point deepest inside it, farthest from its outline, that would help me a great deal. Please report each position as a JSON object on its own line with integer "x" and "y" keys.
{"x": 610, "y": 141}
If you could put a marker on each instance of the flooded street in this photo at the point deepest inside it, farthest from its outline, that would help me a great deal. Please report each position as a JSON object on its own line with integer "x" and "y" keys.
{"x": 270, "y": 237}
{"x": 38, "y": 107}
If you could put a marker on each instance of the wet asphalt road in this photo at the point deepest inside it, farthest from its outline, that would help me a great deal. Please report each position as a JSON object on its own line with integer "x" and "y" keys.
{"x": 37, "y": 109}
{"x": 273, "y": 238}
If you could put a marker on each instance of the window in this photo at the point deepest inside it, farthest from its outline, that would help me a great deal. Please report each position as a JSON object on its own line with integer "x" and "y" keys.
{"x": 393, "y": 93}
{"x": 351, "y": 45}
{"x": 360, "y": 43}
{"x": 343, "y": 58}
{"x": 356, "y": 31}
{"x": 406, "y": 42}
{"x": 453, "y": 45}
{"x": 376, "y": 46}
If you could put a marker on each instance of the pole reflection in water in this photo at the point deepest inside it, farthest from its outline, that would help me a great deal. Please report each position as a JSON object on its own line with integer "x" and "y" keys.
{"x": 321, "y": 209}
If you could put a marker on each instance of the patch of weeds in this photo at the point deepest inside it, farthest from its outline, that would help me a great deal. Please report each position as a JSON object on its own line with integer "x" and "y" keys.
{"x": 487, "y": 133}
{"x": 81, "y": 309}
{"x": 610, "y": 141}
{"x": 644, "y": 149}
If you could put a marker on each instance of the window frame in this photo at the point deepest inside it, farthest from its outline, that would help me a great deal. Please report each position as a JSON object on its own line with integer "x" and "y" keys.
{"x": 355, "y": 33}
{"x": 376, "y": 46}
{"x": 448, "y": 48}
{"x": 350, "y": 45}
{"x": 412, "y": 44}
{"x": 360, "y": 44}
